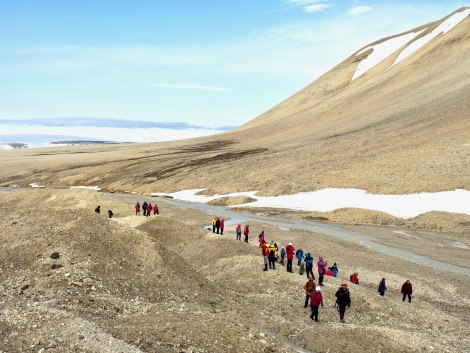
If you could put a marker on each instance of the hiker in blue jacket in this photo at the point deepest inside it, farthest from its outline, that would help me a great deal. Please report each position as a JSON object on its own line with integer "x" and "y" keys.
{"x": 382, "y": 287}
{"x": 309, "y": 265}
{"x": 299, "y": 254}
{"x": 283, "y": 255}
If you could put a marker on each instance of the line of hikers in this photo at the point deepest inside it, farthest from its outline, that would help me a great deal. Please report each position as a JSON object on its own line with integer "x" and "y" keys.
{"x": 147, "y": 209}
{"x": 313, "y": 295}
{"x": 314, "y": 298}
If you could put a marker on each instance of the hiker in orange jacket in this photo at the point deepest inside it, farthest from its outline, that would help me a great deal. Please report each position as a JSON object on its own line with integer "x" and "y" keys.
{"x": 309, "y": 287}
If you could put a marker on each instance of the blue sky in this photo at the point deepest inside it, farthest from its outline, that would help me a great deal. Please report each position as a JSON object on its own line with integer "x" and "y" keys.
{"x": 214, "y": 64}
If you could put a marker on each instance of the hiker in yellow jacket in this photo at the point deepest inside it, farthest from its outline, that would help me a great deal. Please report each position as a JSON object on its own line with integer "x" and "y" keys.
{"x": 214, "y": 221}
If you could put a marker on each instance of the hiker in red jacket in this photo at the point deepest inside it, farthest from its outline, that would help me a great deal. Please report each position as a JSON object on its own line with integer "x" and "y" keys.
{"x": 149, "y": 209}
{"x": 155, "y": 209}
{"x": 137, "y": 208}
{"x": 407, "y": 290}
{"x": 315, "y": 301}
{"x": 222, "y": 226}
{"x": 261, "y": 239}
{"x": 290, "y": 255}
{"x": 246, "y": 231}
{"x": 265, "y": 253}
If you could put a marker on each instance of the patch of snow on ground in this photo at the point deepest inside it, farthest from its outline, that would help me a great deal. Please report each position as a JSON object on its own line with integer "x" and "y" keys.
{"x": 325, "y": 200}
{"x": 86, "y": 187}
{"x": 443, "y": 28}
{"x": 381, "y": 51}
{"x": 190, "y": 195}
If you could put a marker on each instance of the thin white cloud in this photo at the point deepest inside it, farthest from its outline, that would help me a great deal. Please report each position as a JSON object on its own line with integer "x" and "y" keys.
{"x": 311, "y": 5}
{"x": 202, "y": 88}
{"x": 316, "y": 7}
{"x": 359, "y": 10}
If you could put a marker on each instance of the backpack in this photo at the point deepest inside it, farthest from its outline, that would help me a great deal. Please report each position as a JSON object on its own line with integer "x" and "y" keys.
{"x": 310, "y": 287}
{"x": 271, "y": 253}
{"x": 302, "y": 269}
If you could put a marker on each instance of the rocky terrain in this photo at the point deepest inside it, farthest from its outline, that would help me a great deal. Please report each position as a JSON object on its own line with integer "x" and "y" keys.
{"x": 76, "y": 281}
{"x": 72, "y": 280}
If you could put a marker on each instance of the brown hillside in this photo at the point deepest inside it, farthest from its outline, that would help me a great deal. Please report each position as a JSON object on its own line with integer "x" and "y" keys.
{"x": 393, "y": 130}
{"x": 397, "y": 129}
{"x": 72, "y": 280}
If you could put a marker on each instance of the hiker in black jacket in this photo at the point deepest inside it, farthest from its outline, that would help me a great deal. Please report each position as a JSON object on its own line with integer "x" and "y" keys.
{"x": 343, "y": 300}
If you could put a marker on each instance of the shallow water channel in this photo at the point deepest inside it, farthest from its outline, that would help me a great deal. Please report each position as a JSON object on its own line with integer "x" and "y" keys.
{"x": 235, "y": 217}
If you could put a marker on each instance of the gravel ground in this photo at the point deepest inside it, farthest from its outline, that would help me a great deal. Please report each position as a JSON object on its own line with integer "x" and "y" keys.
{"x": 166, "y": 284}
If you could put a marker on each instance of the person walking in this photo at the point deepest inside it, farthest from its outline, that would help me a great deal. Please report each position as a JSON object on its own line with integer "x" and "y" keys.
{"x": 246, "y": 232}
{"x": 149, "y": 210}
{"x": 144, "y": 208}
{"x": 290, "y": 256}
{"x": 261, "y": 238}
{"x": 299, "y": 254}
{"x": 407, "y": 290}
{"x": 238, "y": 231}
{"x": 309, "y": 287}
{"x": 217, "y": 225}
{"x": 283, "y": 255}
{"x": 222, "y": 226}
{"x": 110, "y": 214}
{"x": 315, "y": 301}
{"x": 98, "y": 209}
{"x": 382, "y": 287}
{"x": 265, "y": 253}
{"x": 343, "y": 300}
{"x": 137, "y": 209}
{"x": 214, "y": 220}
{"x": 273, "y": 255}
{"x": 309, "y": 265}
{"x": 321, "y": 264}
{"x": 155, "y": 209}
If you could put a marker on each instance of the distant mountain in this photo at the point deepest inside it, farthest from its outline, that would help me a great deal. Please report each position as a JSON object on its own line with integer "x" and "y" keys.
{"x": 28, "y": 141}
{"x": 391, "y": 118}
{"x": 413, "y": 77}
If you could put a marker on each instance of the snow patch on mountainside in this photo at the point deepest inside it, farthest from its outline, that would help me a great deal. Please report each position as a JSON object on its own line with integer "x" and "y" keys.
{"x": 383, "y": 50}
{"x": 443, "y": 28}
